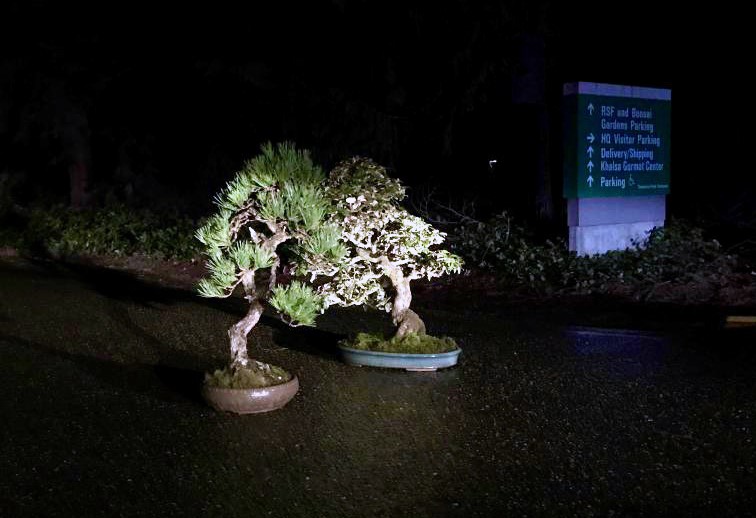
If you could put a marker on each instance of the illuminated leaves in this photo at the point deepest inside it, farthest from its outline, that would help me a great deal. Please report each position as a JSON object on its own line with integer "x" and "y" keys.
{"x": 375, "y": 228}
{"x": 298, "y": 302}
{"x": 276, "y": 198}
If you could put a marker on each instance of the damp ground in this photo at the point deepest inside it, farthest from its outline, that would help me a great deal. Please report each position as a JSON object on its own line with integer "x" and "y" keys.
{"x": 568, "y": 408}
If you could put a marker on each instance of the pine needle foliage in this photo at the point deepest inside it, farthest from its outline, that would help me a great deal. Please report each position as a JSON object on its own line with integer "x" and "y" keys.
{"x": 276, "y": 199}
{"x": 325, "y": 242}
{"x": 270, "y": 219}
{"x": 297, "y": 301}
{"x": 251, "y": 256}
{"x": 278, "y": 192}
{"x": 215, "y": 234}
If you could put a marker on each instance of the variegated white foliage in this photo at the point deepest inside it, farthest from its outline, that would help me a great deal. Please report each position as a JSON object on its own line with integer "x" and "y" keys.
{"x": 379, "y": 235}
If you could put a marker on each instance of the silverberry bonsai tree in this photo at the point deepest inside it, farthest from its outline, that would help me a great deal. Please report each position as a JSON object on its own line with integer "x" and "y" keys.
{"x": 386, "y": 247}
{"x": 271, "y": 216}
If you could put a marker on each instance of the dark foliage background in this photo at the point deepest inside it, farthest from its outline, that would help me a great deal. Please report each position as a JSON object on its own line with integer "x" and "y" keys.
{"x": 161, "y": 103}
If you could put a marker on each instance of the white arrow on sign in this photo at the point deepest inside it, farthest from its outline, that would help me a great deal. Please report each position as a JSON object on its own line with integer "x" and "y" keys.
{"x": 590, "y": 181}
{"x": 590, "y": 166}
{"x": 590, "y": 108}
{"x": 590, "y": 138}
{"x": 590, "y": 151}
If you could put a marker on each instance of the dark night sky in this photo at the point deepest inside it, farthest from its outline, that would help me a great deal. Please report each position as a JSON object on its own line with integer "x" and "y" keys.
{"x": 424, "y": 87}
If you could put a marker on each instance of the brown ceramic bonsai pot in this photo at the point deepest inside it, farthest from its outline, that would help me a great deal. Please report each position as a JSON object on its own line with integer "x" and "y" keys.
{"x": 251, "y": 401}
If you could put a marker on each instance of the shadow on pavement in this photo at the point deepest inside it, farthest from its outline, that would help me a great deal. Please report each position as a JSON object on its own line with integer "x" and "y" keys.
{"x": 307, "y": 340}
{"x": 186, "y": 382}
{"x": 125, "y": 286}
{"x": 131, "y": 377}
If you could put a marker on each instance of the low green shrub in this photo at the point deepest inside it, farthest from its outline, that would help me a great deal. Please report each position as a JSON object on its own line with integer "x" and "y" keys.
{"x": 411, "y": 343}
{"x": 115, "y": 230}
{"x": 500, "y": 245}
{"x": 678, "y": 253}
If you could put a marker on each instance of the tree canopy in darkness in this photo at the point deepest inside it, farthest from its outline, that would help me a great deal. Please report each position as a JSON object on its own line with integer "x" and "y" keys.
{"x": 166, "y": 102}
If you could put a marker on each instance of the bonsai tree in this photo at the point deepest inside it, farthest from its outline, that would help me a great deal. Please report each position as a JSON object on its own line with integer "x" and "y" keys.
{"x": 270, "y": 216}
{"x": 387, "y": 248}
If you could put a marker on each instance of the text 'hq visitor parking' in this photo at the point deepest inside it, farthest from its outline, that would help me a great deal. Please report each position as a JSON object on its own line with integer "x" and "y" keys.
{"x": 616, "y": 164}
{"x": 617, "y": 140}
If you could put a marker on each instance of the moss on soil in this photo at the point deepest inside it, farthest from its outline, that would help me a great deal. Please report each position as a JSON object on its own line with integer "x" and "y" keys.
{"x": 246, "y": 378}
{"x": 408, "y": 344}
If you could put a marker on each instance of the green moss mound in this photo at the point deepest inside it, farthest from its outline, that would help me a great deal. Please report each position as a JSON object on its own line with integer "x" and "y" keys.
{"x": 246, "y": 378}
{"x": 408, "y": 344}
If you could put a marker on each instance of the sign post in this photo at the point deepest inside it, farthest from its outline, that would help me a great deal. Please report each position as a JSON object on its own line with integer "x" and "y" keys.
{"x": 616, "y": 163}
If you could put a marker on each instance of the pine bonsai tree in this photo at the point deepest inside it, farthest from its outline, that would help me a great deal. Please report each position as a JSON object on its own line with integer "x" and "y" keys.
{"x": 270, "y": 215}
{"x": 387, "y": 248}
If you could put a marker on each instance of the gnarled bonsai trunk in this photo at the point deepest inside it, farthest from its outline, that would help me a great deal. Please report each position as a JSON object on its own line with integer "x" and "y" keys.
{"x": 239, "y": 331}
{"x": 406, "y": 320}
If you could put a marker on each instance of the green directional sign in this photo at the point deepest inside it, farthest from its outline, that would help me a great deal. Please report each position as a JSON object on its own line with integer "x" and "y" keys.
{"x": 617, "y": 140}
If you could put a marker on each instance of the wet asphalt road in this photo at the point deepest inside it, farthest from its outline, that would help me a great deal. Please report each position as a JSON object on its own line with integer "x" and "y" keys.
{"x": 101, "y": 414}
